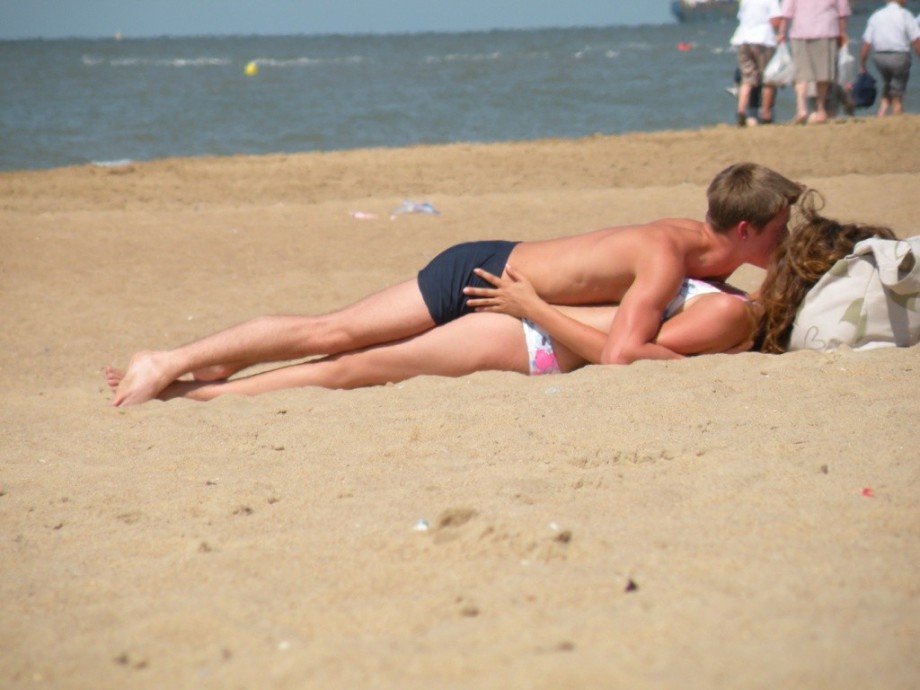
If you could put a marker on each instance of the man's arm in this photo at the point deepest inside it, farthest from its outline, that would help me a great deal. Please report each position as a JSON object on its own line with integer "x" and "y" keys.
{"x": 639, "y": 316}
{"x": 864, "y": 55}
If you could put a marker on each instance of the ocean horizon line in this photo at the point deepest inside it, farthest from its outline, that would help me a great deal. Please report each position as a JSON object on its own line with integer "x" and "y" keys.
{"x": 119, "y": 36}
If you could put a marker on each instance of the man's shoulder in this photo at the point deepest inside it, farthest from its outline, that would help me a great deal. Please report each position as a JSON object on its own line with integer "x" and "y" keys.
{"x": 676, "y": 229}
{"x": 663, "y": 230}
{"x": 670, "y": 224}
{"x": 674, "y": 237}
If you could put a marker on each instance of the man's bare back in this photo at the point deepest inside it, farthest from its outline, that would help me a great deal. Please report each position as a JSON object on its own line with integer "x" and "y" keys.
{"x": 599, "y": 267}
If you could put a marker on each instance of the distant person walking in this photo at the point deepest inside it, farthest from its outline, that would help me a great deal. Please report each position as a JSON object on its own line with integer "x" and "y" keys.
{"x": 755, "y": 42}
{"x": 818, "y": 30}
{"x": 889, "y": 35}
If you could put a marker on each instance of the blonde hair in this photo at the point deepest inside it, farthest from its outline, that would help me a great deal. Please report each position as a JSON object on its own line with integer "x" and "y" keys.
{"x": 751, "y": 192}
{"x": 807, "y": 254}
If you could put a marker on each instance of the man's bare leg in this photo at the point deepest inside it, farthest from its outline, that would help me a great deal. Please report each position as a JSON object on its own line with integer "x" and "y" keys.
{"x": 395, "y": 313}
{"x": 883, "y": 106}
{"x": 767, "y": 99}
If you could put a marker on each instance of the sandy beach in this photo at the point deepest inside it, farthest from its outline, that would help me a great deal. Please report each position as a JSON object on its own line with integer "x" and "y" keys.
{"x": 743, "y": 521}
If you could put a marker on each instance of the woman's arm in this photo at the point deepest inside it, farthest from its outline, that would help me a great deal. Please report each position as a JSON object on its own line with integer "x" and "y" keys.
{"x": 707, "y": 324}
{"x": 711, "y": 323}
{"x": 517, "y": 297}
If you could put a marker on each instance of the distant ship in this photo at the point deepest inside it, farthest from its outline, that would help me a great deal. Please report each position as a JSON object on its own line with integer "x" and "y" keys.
{"x": 722, "y": 10}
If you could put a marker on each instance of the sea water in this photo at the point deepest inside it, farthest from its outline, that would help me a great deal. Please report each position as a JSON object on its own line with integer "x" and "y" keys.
{"x": 71, "y": 102}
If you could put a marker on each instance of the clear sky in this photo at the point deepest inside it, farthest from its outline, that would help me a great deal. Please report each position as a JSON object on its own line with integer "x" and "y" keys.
{"x": 139, "y": 18}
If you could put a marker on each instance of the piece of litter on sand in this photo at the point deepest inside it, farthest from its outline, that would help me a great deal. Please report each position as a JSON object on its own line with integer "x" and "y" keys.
{"x": 420, "y": 526}
{"x": 363, "y": 215}
{"x": 414, "y": 207}
{"x": 868, "y": 493}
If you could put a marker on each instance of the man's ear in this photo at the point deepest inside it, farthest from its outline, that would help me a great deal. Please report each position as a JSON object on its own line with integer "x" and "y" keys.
{"x": 744, "y": 229}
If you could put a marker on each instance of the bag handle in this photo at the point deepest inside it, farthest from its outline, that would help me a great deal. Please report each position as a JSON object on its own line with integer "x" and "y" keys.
{"x": 896, "y": 261}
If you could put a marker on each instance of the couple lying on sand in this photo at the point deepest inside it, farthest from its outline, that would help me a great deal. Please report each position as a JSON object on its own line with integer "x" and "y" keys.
{"x": 538, "y": 307}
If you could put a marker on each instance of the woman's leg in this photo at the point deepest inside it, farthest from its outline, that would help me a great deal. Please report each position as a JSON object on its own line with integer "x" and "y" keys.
{"x": 476, "y": 342}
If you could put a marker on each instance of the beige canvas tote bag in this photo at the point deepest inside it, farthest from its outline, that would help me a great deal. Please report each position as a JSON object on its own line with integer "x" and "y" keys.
{"x": 868, "y": 299}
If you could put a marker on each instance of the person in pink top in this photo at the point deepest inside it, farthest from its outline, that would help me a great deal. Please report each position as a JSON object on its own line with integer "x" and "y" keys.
{"x": 816, "y": 29}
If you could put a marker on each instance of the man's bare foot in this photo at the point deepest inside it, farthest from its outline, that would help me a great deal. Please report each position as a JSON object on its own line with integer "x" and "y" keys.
{"x": 144, "y": 378}
{"x": 192, "y": 390}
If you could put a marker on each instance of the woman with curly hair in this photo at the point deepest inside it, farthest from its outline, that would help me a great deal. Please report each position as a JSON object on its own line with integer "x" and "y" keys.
{"x": 809, "y": 252}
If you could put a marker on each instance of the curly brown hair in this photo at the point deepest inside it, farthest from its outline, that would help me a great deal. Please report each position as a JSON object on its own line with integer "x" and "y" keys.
{"x": 816, "y": 244}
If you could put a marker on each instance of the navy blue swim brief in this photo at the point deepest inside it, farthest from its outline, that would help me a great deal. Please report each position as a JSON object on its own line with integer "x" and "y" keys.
{"x": 443, "y": 279}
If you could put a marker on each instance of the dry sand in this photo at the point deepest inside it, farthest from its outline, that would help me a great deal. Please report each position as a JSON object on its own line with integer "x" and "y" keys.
{"x": 743, "y": 521}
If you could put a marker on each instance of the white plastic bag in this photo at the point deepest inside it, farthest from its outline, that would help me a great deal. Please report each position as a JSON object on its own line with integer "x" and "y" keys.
{"x": 846, "y": 66}
{"x": 780, "y": 70}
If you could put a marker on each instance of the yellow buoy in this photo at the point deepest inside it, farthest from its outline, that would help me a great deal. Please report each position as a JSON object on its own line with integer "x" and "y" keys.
{"x": 252, "y": 69}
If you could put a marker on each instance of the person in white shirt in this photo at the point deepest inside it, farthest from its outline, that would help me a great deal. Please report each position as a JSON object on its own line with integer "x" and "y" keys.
{"x": 889, "y": 35}
{"x": 755, "y": 42}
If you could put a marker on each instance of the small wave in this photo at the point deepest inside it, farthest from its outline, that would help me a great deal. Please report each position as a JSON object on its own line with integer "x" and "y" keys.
{"x": 121, "y": 163}
{"x": 609, "y": 53}
{"x": 197, "y": 62}
{"x": 91, "y": 61}
{"x": 638, "y": 46}
{"x": 463, "y": 57}
{"x": 308, "y": 61}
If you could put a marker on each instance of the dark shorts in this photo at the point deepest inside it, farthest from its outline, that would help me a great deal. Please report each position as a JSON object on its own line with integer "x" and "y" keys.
{"x": 894, "y": 68}
{"x": 443, "y": 279}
